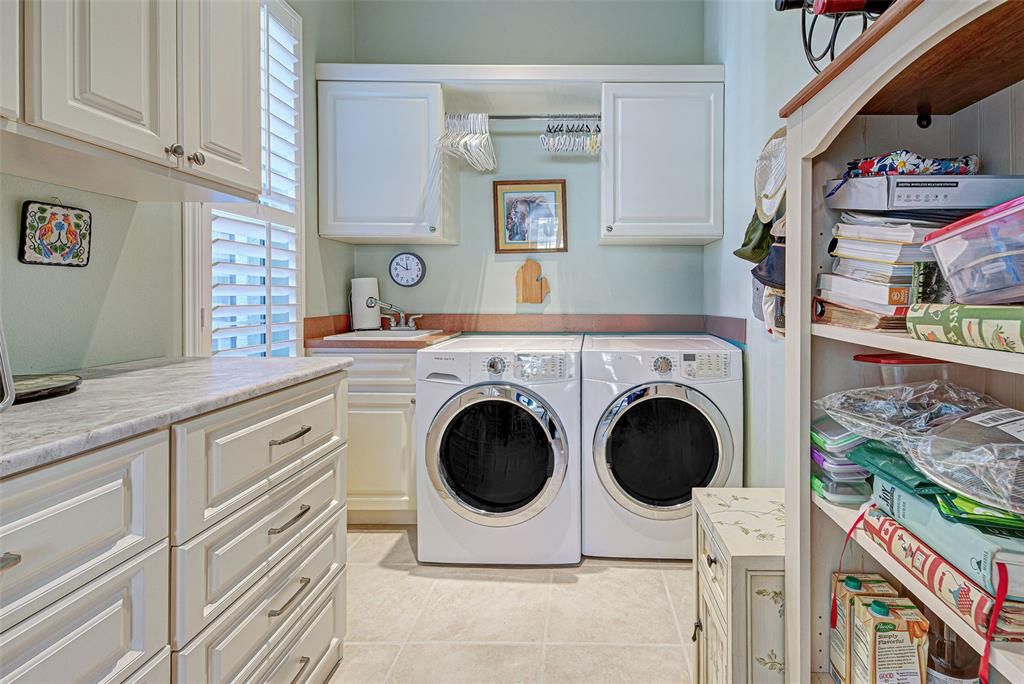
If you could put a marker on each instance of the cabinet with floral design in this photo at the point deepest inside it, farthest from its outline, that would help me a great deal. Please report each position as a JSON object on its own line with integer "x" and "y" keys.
{"x": 739, "y": 554}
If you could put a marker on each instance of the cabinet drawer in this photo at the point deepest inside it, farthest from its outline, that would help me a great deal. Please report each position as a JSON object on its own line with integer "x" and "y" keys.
{"x": 227, "y": 458}
{"x": 217, "y": 567}
{"x": 67, "y": 524}
{"x": 314, "y": 647}
{"x": 101, "y": 633}
{"x": 713, "y": 564}
{"x": 240, "y": 641}
{"x": 387, "y": 372}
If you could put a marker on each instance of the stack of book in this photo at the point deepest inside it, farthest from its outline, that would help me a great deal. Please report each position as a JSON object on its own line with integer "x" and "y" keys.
{"x": 882, "y": 268}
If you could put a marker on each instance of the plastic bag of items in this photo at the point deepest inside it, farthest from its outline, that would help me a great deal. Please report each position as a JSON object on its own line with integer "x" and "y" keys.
{"x": 962, "y": 440}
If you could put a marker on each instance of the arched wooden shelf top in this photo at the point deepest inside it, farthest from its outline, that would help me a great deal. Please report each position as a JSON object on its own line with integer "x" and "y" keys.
{"x": 982, "y": 58}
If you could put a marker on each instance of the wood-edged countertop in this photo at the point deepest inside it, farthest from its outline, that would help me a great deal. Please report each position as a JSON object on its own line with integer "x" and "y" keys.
{"x": 381, "y": 343}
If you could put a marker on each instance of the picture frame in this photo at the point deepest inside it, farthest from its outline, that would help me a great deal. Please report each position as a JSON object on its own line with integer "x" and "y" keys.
{"x": 54, "y": 235}
{"x": 530, "y": 216}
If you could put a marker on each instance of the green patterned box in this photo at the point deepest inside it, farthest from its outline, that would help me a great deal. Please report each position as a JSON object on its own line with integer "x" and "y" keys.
{"x": 988, "y": 327}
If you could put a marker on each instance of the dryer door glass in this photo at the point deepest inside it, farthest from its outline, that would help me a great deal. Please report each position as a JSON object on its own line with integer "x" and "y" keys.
{"x": 661, "y": 449}
{"x": 496, "y": 454}
{"x": 655, "y": 443}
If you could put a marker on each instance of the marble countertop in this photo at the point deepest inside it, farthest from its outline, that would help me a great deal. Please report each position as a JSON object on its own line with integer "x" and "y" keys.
{"x": 121, "y": 401}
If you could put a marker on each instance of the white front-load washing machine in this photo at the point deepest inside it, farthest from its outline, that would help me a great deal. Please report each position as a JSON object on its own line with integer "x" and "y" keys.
{"x": 498, "y": 450}
{"x": 662, "y": 414}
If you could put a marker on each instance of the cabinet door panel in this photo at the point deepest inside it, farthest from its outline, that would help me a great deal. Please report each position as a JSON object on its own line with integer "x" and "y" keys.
{"x": 379, "y": 168}
{"x": 10, "y": 60}
{"x": 220, "y": 79}
{"x": 661, "y": 166}
{"x": 104, "y": 71}
{"x": 381, "y": 467}
{"x": 713, "y": 646}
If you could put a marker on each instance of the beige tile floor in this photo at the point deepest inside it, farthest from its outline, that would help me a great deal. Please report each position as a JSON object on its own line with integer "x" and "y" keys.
{"x": 603, "y": 621}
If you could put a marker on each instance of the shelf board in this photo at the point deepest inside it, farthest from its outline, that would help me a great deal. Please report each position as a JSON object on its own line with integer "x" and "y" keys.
{"x": 904, "y": 343}
{"x": 1007, "y": 659}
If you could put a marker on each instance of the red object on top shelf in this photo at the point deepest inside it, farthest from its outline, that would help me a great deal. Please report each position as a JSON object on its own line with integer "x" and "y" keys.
{"x": 895, "y": 359}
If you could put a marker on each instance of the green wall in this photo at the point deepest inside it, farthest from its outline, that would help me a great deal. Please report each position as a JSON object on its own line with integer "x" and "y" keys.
{"x": 327, "y": 36}
{"x": 529, "y": 31}
{"x": 470, "y": 277}
{"x": 125, "y": 305}
{"x": 588, "y": 278}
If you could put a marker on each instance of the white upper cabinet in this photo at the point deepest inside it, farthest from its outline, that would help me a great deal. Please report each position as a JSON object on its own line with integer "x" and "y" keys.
{"x": 105, "y": 73}
{"x": 380, "y": 171}
{"x": 220, "y": 86}
{"x": 661, "y": 164}
{"x": 10, "y": 60}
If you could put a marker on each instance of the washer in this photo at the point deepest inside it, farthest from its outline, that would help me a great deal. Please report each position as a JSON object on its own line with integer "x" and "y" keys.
{"x": 662, "y": 414}
{"x": 498, "y": 450}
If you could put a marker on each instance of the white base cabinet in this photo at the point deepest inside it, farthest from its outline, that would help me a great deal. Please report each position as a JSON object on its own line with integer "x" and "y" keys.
{"x": 661, "y": 163}
{"x": 739, "y": 558}
{"x": 98, "y": 583}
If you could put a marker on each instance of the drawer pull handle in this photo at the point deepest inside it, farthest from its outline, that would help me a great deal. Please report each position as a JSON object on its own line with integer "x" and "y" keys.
{"x": 302, "y": 431}
{"x": 710, "y": 560}
{"x": 302, "y": 670}
{"x": 277, "y": 612}
{"x": 303, "y": 510}
{"x": 9, "y": 560}
{"x": 698, "y": 627}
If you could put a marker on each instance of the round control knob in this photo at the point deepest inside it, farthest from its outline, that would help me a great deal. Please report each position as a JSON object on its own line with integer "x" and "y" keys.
{"x": 662, "y": 364}
{"x": 496, "y": 365}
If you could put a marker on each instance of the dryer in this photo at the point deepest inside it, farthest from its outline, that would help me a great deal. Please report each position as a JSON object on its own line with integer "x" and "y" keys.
{"x": 498, "y": 450}
{"x": 662, "y": 415}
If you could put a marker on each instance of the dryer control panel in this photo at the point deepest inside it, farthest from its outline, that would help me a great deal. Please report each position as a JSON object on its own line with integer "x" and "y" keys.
{"x": 705, "y": 365}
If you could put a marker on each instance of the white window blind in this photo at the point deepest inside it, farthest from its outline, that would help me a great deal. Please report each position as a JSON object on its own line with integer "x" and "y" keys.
{"x": 282, "y": 94}
{"x": 256, "y": 279}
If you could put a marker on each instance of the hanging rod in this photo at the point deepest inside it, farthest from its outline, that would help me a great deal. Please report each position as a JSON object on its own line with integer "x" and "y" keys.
{"x": 544, "y": 117}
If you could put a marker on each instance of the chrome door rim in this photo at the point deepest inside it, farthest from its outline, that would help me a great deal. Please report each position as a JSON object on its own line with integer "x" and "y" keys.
{"x": 638, "y": 395}
{"x": 539, "y": 410}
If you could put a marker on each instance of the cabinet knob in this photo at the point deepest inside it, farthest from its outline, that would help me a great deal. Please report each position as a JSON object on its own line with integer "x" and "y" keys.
{"x": 197, "y": 158}
{"x": 413, "y": 401}
{"x": 175, "y": 150}
{"x": 709, "y": 559}
{"x": 433, "y": 229}
{"x": 697, "y": 627}
{"x": 608, "y": 229}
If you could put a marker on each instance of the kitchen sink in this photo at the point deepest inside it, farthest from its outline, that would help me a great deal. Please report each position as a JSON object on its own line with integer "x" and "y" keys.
{"x": 361, "y": 335}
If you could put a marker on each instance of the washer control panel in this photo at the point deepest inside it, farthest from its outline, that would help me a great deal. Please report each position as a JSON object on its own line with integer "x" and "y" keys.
{"x": 705, "y": 365}
{"x": 527, "y": 367}
{"x": 541, "y": 367}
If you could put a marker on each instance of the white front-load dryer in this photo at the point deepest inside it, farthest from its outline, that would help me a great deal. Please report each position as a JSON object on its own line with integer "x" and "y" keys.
{"x": 662, "y": 415}
{"x": 498, "y": 450}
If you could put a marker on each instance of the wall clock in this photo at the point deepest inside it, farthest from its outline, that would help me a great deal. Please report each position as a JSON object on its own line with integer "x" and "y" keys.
{"x": 407, "y": 269}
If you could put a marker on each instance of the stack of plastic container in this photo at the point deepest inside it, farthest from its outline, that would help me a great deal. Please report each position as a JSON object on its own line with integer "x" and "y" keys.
{"x": 833, "y": 476}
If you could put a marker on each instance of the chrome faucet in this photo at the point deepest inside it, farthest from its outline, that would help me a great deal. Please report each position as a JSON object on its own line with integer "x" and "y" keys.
{"x": 402, "y": 323}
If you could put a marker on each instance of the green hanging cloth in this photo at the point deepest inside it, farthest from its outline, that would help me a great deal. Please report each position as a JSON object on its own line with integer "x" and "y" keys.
{"x": 756, "y": 241}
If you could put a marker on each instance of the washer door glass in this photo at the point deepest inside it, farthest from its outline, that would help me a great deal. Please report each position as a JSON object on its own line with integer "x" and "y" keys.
{"x": 656, "y": 443}
{"x": 496, "y": 454}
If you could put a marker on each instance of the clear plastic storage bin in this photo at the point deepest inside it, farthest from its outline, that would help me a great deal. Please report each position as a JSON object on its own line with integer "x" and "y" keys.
{"x": 843, "y": 493}
{"x": 982, "y": 255}
{"x": 838, "y": 468}
{"x": 898, "y": 369}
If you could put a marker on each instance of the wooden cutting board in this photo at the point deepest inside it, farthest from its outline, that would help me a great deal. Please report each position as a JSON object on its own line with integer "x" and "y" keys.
{"x": 531, "y": 286}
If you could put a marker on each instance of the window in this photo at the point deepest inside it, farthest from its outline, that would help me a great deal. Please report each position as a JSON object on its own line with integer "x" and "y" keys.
{"x": 243, "y": 261}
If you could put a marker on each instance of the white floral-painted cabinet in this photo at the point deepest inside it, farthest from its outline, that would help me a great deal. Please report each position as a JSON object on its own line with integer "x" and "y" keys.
{"x": 739, "y": 555}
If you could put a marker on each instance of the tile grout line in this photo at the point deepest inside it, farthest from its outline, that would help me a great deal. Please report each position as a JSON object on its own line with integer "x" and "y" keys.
{"x": 547, "y": 621}
{"x": 406, "y": 640}
{"x": 671, "y": 606}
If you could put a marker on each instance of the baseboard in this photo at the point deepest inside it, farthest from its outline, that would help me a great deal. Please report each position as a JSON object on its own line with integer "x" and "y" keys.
{"x": 381, "y": 517}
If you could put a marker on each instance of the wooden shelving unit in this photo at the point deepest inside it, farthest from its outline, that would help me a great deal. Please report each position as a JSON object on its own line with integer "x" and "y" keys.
{"x": 1007, "y": 658}
{"x": 952, "y": 60}
{"x": 904, "y": 343}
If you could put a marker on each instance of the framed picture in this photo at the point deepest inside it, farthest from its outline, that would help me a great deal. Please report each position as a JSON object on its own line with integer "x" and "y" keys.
{"x": 529, "y": 216}
{"x": 54, "y": 235}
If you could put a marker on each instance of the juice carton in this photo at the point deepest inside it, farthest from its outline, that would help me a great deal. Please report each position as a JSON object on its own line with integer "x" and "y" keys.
{"x": 890, "y": 642}
{"x": 849, "y": 587}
